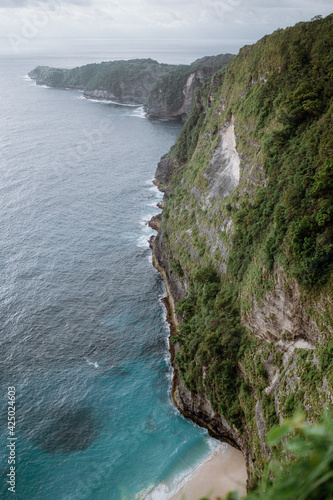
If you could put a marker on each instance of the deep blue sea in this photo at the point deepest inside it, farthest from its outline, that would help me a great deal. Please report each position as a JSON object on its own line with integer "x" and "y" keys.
{"x": 83, "y": 334}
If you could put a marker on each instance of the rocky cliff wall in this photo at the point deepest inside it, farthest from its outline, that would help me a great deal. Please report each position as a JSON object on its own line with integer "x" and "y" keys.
{"x": 253, "y": 305}
{"x": 159, "y": 108}
{"x": 172, "y": 96}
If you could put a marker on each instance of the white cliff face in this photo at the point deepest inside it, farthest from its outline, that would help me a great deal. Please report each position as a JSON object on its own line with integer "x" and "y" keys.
{"x": 281, "y": 315}
{"x": 161, "y": 110}
{"x": 224, "y": 170}
{"x": 188, "y": 92}
{"x": 229, "y": 153}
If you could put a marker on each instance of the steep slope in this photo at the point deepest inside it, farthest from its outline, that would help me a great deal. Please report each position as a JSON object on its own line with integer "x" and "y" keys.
{"x": 246, "y": 241}
{"x": 172, "y": 95}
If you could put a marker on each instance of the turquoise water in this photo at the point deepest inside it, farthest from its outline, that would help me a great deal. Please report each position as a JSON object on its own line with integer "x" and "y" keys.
{"x": 83, "y": 331}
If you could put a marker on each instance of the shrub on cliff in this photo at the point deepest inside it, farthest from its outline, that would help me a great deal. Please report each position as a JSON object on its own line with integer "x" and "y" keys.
{"x": 305, "y": 471}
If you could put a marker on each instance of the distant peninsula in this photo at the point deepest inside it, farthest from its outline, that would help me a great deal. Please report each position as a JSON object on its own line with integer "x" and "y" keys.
{"x": 165, "y": 90}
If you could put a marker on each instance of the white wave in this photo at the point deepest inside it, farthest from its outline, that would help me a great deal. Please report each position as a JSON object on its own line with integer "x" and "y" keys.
{"x": 92, "y": 363}
{"x": 144, "y": 223}
{"x": 138, "y": 113}
{"x": 155, "y": 189}
{"x": 165, "y": 490}
{"x": 108, "y": 101}
{"x": 126, "y": 105}
{"x": 26, "y": 77}
{"x": 143, "y": 242}
{"x": 96, "y": 100}
{"x": 160, "y": 492}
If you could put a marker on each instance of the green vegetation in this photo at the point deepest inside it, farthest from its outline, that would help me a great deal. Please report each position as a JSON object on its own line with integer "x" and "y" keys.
{"x": 211, "y": 336}
{"x": 123, "y": 79}
{"x": 169, "y": 88}
{"x": 305, "y": 469}
{"x": 138, "y": 80}
{"x": 230, "y": 249}
{"x": 114, "y": 76}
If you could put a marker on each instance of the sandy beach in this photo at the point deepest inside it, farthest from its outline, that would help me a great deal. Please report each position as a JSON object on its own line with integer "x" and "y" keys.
{"x": 225, "y": 471}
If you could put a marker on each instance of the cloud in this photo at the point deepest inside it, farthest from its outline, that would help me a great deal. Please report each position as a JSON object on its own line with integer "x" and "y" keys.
{"x": 17, "y": 4}
{"x": 238, "y": 21}
{"x": 6, "y": 4}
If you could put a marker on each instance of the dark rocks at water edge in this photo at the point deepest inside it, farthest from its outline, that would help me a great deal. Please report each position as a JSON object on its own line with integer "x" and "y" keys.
{"x": 155, "y": 222}
{"x": 166, "y": 90}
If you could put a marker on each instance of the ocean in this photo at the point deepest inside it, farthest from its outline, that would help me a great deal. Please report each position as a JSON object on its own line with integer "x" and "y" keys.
{"x": 84, "y": 339}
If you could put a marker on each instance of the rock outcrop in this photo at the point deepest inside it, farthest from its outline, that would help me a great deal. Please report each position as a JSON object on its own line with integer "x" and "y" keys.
{"x": 172, "y": 96}
{"x": 281, "y": 315}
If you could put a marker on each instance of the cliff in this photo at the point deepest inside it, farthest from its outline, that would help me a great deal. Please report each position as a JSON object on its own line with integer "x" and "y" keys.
{"x": 126, "y": 82}
{"x": 165, "y": 90}
{"x": 246, "y": 241}
{"x": 172, "y": 95}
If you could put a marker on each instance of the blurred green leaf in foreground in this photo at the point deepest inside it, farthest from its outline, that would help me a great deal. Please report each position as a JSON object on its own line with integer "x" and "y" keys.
{"x": 305, "y": 471}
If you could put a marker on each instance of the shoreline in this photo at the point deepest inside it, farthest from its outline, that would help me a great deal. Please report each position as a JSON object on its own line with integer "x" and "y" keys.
{"x": 225, "y": 470}
{"x": 217, "y": 475}
{"x": 173, "y": 323}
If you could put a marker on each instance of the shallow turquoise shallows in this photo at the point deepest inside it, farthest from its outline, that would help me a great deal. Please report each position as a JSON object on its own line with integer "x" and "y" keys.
{"x": 83, "y": 331}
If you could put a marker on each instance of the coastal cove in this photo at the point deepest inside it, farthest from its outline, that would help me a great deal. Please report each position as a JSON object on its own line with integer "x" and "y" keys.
{"x": 85, "y": 339}
{"x": 167, "y": 298}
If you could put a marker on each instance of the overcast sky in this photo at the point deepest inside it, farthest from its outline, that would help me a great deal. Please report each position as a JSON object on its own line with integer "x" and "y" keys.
{"x": 238, "y": 21}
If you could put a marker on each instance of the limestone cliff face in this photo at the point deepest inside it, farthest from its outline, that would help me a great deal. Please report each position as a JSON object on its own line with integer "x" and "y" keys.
{"x": 195, "y": 406}
{"x": 199, "y": 409}
{"x": 279, "y": 320}
{"x": 172, "y": 96}
{"x": 252, "y": 342}
{"x": 158, "y": 109}
{"x": 281, "y": 315}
